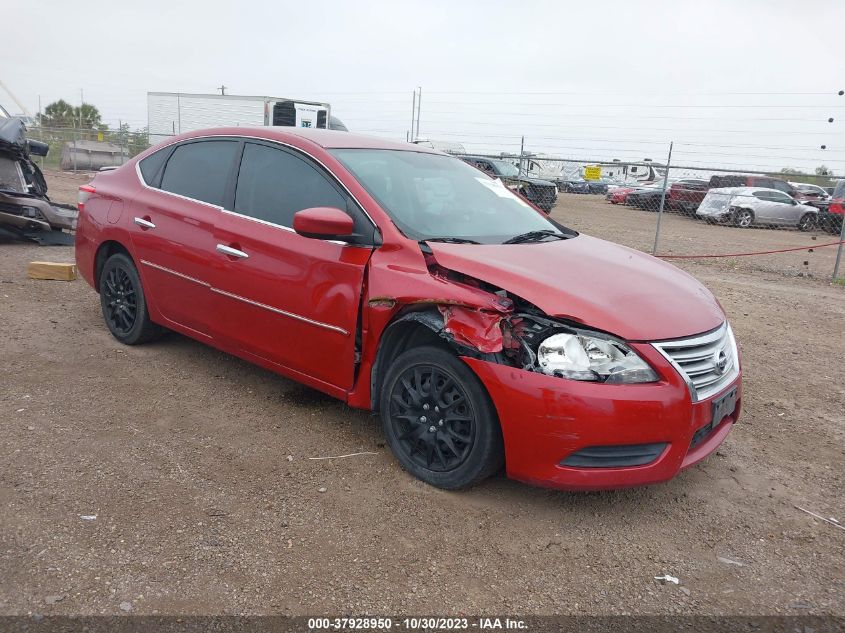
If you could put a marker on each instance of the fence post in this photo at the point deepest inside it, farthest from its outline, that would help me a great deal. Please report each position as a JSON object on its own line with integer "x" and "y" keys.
{"x": 521, "y": 154}
{"x": 75, "y": 152}
{"x": 662, "y": 199}
{"x": 839, "y": 250}
{"x": 413, "y": 116}
{"x": 419, "y": 105}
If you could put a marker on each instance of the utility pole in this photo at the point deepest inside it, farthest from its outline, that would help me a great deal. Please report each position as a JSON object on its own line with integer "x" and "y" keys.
{"x": 81, "y": 103}
{"x": 222, "y": 90}
{"x": 419, "y": 103}
{"x": 662, "y": 199}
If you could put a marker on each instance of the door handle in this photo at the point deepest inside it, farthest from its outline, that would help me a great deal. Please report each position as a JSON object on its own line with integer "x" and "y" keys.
{"x": 231, "y": 252}
{"x": 144, "y": 224}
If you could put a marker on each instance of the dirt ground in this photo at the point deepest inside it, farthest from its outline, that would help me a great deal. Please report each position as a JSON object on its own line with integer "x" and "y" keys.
{"x": 196, "y": 468}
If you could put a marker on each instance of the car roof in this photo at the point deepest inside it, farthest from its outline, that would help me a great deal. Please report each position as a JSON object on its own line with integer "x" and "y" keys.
{"x": 744, "y": 190}
{"x": 327, "y": 139}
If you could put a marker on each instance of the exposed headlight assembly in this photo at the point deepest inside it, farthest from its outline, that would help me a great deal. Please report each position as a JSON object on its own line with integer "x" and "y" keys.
{"x": 587, "y": 356}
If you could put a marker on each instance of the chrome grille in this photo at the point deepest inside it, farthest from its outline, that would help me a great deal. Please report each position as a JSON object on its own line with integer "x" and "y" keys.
{"x": 707, "y": 362}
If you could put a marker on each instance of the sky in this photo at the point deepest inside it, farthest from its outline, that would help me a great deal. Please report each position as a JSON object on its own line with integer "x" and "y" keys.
{"x": 747, "y": 84}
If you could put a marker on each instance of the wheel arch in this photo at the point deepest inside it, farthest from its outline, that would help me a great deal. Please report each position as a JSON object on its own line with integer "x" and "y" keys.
{"x": 406, "y": 330}
{"x": 415, "y": 328}
{"x": 104, "y": 251}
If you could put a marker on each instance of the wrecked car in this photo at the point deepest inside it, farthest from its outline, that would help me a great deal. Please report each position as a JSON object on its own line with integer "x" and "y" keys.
{"x": 404, "y": 281}
{"x": 26, "y": 211}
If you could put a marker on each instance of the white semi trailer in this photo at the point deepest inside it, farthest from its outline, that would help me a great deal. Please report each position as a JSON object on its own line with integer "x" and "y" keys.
{"x": 171, "y": 113}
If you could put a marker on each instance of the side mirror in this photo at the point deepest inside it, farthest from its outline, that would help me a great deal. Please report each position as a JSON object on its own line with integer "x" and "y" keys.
{"x": 37, "y": 148}
{"x": 323, "y": 223}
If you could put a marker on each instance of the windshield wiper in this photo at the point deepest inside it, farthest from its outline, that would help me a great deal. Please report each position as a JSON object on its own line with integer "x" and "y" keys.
{"x": 450, "y": 240}
{"x": 535, "y": 236}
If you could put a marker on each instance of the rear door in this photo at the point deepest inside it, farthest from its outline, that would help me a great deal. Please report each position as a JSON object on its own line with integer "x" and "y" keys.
{"x": 173, "y": 227}
{"x": 283, "y": 298}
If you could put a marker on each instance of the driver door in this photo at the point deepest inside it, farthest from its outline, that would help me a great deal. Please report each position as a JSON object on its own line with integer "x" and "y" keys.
{"x": 281, "y": 297}
{"x": 784, "y": 208}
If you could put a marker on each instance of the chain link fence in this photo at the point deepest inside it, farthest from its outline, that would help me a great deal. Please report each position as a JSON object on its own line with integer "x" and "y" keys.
{"x": 734, "y": 219}
{"x": 76, "y": 149}
{"x": 729, "y": 218}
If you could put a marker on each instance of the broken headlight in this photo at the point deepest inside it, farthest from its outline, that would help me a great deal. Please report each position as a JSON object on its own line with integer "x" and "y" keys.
{"x": 583, "y": 356}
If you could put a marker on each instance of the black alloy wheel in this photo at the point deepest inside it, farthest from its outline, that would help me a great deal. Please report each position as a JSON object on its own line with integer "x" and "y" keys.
{"x": 439, "y": 420}
{"x": 124, "y": 303}
{"x": 120, "y": 300}
{"x": 433, "y": 418}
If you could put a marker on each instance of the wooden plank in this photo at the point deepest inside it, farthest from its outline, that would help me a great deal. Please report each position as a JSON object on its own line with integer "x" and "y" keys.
{"x": 51, "y": 270}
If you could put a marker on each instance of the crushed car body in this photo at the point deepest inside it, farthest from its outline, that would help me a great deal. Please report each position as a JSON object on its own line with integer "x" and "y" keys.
{"x": 26, "y": 211}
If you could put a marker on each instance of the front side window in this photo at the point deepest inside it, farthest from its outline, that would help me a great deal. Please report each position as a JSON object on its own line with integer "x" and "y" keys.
{"x": 431, "y": 196}
{"x": 200, "y": 170}
{"x": 274, "y": 184}
{"x": 506, "y": 169}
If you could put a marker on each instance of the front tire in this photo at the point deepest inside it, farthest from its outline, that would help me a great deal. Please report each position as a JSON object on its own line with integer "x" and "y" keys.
{"x": 807, "y": 222}
{"x": 124, "y": 304}
{"x": 743, "y": 218}
{"x": 439, "y": 420}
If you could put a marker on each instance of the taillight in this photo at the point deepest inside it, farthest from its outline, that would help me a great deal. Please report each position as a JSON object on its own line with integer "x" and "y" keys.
{"x": 85, "y": 192}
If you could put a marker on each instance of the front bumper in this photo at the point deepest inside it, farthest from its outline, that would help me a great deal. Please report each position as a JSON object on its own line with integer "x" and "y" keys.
{"x": 31, "y": 213}
{"x": 545, "y": 420}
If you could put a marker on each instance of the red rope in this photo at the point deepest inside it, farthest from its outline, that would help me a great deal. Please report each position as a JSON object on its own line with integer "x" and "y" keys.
{"x": 782, "y": 250}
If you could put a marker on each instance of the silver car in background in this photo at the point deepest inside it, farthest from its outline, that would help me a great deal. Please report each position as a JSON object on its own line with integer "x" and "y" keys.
{"x": 747, "y": 206}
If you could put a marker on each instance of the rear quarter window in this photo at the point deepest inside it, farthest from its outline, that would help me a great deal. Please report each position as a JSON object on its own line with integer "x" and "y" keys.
{"x": 151, "y": 166}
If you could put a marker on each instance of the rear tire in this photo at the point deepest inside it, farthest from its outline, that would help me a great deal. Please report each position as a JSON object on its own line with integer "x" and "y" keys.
{"x": 438, "y": 419}
{"x": 124, "y": 304}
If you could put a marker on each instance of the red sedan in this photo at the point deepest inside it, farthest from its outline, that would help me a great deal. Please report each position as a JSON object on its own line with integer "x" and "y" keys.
{"x": 404, "y": 281}
{"x": 620, "y": 194}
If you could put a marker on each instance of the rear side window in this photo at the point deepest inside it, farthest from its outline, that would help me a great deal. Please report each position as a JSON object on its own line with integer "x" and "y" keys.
{"x": 839, "y": 189}
{"x": 274, "y": 184}
{"x": 151, "y": 167}
{"x": 718, "y": 182}
{"x": 200, "y": 170}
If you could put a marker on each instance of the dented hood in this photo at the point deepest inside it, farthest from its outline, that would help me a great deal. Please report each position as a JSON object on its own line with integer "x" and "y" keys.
{"x": 600, "y": 284}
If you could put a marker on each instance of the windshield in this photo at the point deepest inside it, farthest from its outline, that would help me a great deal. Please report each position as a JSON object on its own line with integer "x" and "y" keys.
{"x": 3, "y": 113}
{"x": 506, "y": 169}
{"x": 431, "y": 196}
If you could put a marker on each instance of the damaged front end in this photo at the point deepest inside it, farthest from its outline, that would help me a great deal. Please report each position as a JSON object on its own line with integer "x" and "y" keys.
{"x": 512, "y": 331}
{"x": 481, "y": 321}
{"x": 26, "y": 212}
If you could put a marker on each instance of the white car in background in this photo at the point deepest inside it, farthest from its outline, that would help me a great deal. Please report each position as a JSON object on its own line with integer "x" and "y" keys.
{"x": 747, "y": 206}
